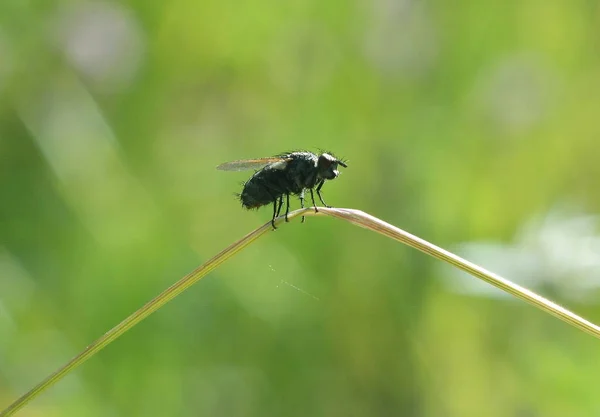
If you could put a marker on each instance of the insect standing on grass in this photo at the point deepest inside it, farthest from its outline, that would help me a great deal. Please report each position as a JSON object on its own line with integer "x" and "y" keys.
{"x": 282, "y": 175}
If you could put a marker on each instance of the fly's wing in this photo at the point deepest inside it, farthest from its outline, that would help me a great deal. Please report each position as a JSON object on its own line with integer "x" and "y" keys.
{"x": 244, "y": 164}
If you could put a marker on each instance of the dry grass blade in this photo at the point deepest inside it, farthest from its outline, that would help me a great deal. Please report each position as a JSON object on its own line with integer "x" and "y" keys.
{"x": 356, "y": 217}
{"x": 367, "y": 221}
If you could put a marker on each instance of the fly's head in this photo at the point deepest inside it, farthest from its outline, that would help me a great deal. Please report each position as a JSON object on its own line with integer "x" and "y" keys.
{"x": 327, "y": 166}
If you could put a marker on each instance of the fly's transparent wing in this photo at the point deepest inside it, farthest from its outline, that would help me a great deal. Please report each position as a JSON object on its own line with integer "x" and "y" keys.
{"x": 246, "y": 164}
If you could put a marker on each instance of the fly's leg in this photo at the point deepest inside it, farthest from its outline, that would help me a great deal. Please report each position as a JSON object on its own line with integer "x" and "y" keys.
{"x": 287, "y": 207}
{"x": 274, "y": 214}
{"x": 319, "y": 193}
{"x": 302, "y": 203}
{"x": 312, "y": 197}
{"x": 280, "y": 204}
{"x": 276, "y": 209}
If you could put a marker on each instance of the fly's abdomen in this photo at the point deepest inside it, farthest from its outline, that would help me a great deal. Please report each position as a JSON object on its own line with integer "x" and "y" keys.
{"x": 262, "y": 189}
{"x": 255, "y": 195}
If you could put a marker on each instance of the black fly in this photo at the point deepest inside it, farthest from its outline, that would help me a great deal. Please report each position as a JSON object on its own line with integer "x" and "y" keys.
{"x": 282, "y": 175}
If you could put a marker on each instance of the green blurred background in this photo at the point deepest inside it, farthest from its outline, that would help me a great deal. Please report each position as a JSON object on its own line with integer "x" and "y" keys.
{"x": 474, "y": 125}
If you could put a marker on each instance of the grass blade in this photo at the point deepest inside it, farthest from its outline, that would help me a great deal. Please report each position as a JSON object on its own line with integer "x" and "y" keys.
{"x": 355, "y": 217}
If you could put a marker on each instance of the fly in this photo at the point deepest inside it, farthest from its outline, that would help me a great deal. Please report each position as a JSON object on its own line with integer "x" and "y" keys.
{"x": 282, "y": 175}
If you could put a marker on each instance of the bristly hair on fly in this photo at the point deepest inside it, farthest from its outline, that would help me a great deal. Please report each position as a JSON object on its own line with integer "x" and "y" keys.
{"x": 339, "y": 158}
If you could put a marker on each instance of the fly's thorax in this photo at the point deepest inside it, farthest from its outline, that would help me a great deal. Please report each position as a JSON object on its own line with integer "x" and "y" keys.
{"x": 301, "y": 171}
